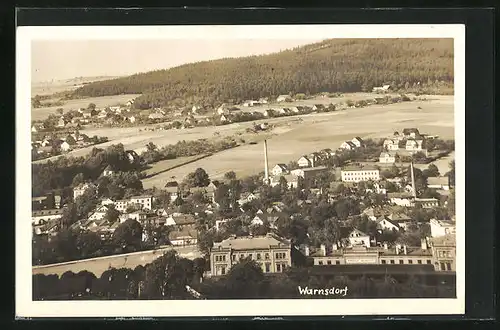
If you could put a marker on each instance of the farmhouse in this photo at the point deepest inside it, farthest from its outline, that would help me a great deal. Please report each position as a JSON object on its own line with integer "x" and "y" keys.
{"x": 347, "y": 145}
{"x": 384, "y": 223}
{"x": 357, "y": 141}
{"x": 401, "y": 199}
{"x": 360, "y": 173}
{"x": 387, "y": 158}
{"x": 279, "y": 169}
{"x": 146, "y": 201}
{"x": 391, "y": 144}
{"x": 310, "y": 172}
{"x": 305, "y": 161}
{"x": 183, "y": 237}
{"x": 156, "y": 115}
{"x": 414, "y": 145}
{"x": 270, "y": 113}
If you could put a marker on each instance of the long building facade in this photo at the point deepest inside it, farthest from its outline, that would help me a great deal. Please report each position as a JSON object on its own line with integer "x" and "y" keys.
{"x": 272, "y": 253}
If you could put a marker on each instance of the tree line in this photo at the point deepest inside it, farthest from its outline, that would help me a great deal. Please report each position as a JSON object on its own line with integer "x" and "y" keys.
{"x": 341, "y": 65}
{"x": 167, "y": 277}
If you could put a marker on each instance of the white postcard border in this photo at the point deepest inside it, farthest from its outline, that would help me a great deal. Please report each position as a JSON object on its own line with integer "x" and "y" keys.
{"x": 25, "y": 307}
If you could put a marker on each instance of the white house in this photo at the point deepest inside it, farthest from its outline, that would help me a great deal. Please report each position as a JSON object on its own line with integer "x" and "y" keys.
{"x": 65, "y": 146}
{"x": 146, "y": 201}
{"x": 414, "y": 145}
{"x": 411, "y": 133}
{"x": 391, "y": 144}
{"x": 387, "y": 158}
{"x": 442, "y": 227}
{"x": 108, "y": 171}
{"x": 279, "y": 169}
{"x": 305, "y": 161}
{"x": 247, "y": 197}
{"x": 357, "y": 141}
{"x": 386, "y": 224}
{"x": 183, "y": 237}
{"x": 357, "y": 237}
{"x": 347, "y": 145}
{"x": 381, "y": 89}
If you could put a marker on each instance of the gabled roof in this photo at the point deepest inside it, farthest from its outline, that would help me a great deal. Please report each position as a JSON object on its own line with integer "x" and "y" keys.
{"x": 358, "y": 138}
{"x": 183, "y": 234}
{"x": 350, "y": 144}
{"x": 359, "y": 232}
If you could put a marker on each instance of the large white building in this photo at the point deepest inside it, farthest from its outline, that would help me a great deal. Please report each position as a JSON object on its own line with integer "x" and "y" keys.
{"x": 442, "y": 227}
{"x": 360, "y": 173}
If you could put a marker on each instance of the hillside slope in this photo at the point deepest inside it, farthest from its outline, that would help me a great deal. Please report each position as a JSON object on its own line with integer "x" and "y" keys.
{"x": 340, "y": 65}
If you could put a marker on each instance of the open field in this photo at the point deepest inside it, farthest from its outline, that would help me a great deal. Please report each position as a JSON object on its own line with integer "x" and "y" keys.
{"x": 43, "y": 113}
{"x": 56, "y": 86}
{"x": 167, "y": 164}
{"x": 295, "y": 136}
{"x": 327, "y": 130}
{"x": 99, "y": 265}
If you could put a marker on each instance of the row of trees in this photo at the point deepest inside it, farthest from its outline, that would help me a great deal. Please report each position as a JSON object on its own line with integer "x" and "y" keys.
{"x": 164, "y": 278}
{"x": 372, "y": 62}
{"x": 167, "y": 277}
{"x": 74, "y": 244}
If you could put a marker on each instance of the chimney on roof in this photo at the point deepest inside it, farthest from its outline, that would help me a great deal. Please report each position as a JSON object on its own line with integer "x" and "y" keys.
{"x": 323, "y": 249}
{"x": 398, "y": 248}
{"x": 423, "y": 244}
{"x": 335, "y": 247}
{"x": 385, "y": 246}
{"x": 405, "y": 249}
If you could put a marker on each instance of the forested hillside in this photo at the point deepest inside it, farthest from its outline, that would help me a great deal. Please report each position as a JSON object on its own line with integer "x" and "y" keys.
{"x": 341, "y": 65}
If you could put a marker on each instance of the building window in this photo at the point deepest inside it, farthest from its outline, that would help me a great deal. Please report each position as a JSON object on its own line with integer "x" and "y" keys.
{"x": 383, "y": 262}
{"x": 242, "y": 256}
{"x": 278, "y": 267}
{"x": 268, "y": 267}
{"x": 448, "y": 266}
{"x": 258, "y": 256}
{"x": 250, "y": 256}
{"x": 223, "y": 270}
{"x": 392, "y": 262}
{"x": 410, "y": 261}
{"x": 419, "y": 262}
{"x": 442, "y": 266}
{"x": 329, "y": 262}
{"x": 233, "y": 257}
{"x": 337, "y": 262}
{"x": 428, "y": 262}
{"x": 401, "y": 262}
{"x": 267, "y": 256}
{"x": 320, "y": 263}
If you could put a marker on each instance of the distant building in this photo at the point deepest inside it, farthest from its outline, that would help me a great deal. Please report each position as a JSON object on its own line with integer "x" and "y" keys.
{"x": 401, "y": 199}
{"x": 441, "y": 182}
{"x": 305, "y": 161}
{"x": 442, "y": 227}
{"x": 387, "y": 158}
{"x": 310, "y": 172}
{"x": 280, "y": 169}
{"x": 357, "y": 237}
{"x": 82, "y": 188}
{"x": 357, "y": 141}
{"x": 391, "y": 144}
{"x": 414, "y": 145}
{"x": 284, "y": 98}
{"x": 381, "y": 89}
{"x": 146, "y": 201}
{"x": 384, "y": 223}
{"x": 360, "y": 173}
{"x": 444, "y": 252}
{"x": 44, "y": 216}
{"x": 109, "y": 171}
{"x": 347, "y": 145}
{"x": 272, "y": 253}
{"x": 183, "y": 237}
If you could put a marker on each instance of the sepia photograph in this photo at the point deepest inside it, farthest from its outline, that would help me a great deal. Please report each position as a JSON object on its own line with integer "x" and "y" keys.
{"x": 270, "y": 169}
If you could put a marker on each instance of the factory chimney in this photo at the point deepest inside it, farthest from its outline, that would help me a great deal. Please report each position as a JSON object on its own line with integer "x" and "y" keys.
{"x": 413, "y": 181}
{"x": 266, "y": 164}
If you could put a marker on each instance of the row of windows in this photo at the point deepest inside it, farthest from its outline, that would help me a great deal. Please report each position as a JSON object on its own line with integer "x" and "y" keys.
{"x": 445, "y": 266}
{"x": 281, "y": 267}
{"x": 362, "y": 173}
{"x": 280, "y": 255}
{"x": 220, "y": 258}
{"x": 384, "y": 262}
{"x": 258, "y": 256}
{"x": 444, "y": 254}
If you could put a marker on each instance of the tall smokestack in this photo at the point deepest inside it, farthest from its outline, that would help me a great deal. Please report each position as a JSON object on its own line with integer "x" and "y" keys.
{"x": 413, "y": 181}
{"x": 266, "y": 164}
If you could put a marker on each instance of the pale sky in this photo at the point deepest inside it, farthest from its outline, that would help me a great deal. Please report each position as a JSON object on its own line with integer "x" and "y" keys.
{"x": 65, "y": 59}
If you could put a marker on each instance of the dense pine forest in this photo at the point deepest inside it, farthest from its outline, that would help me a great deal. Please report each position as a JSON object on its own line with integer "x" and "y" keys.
{"x": 341, "y": 65}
